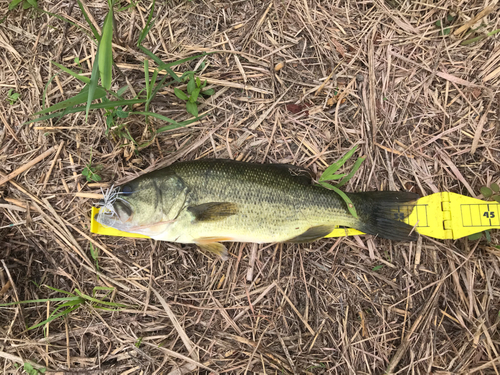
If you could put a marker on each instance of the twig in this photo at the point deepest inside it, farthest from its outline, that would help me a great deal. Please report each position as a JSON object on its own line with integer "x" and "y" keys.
{"x": 473, "y": 20}
{"x": 27, "y": 166}
{"x": 406, "y": 341}
{"x": 52, "y": 165}
{"x": 185, "y": 339}
{"x": 251, "y": 265}
{"x": 309, "y": 328}
{"x": 20, "y": 360}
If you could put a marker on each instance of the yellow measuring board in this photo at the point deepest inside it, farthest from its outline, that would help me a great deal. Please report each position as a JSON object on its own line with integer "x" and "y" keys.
{"x": 97, "y": 228}
{"x": 445, "y": 216}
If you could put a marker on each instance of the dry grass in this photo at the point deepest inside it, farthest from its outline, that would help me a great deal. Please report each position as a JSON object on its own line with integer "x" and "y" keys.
{"x": 422, "y": 107}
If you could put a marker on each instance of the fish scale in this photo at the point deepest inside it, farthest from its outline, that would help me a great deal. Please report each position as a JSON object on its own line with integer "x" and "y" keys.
{"x": 290, "y": 207}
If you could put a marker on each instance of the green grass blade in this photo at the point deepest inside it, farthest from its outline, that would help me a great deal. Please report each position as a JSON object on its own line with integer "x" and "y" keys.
{"x": 161, "y": 65}
{"x": 79, "y": 301}
{"x": 79, "y": 98}
{"x": 178, "y": 62}
{"x": 148, "y": 91}
{"x": 329, "y": 172}
{"x": 103, "y": 288}
{"x": 121, "y": 91}
{"x": 148, "y": 26}
{"x": 109, "y": 104}
{"x": 157, "y": 88}
{"x": 146, "y": 76}
{"x": 174, "y": 123}
{"x": 94, "y": 79}
{"x": 46, "y": 88}
{"x": 58, "y": 114}
{"x": 171, "y": 73}
{"x": 126, "y": 7}
{"x": 91, "y": 25}
{"x": 106, "y": 288}
{"x": 151, "y": 92}
{"x": 478, "y": 38}
{"x": 151, "y": 55}
{"x": 493, "y": 32}
{"x": 350, "y": 205}
{"x": 117, "y": 103}
{"x": 65, "y": 312}
{"x": 158, "y": 116}
{"x": 43, "y": 300}
{"x": 351, "y": 173}
{"x": 106, "y": 51}
{"x": 95, "y": 300}
{"x": 153, "y": 82}
{"x": 69, "y": 71}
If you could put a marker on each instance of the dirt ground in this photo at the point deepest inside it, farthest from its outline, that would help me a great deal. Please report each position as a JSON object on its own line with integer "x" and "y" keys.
{"x": 296, "y": 81}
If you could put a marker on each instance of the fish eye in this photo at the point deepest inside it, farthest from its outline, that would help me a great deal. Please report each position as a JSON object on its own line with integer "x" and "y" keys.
{"x": 126, "y": 189}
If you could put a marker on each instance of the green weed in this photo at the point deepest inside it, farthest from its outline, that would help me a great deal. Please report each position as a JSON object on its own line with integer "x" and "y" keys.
{"x": 30, "y": 370}
{"x": 194, "y": 89}
{"x": 329, "y": 175}
{"x": 90, "y": 172}
{"x": 73, "y": 301}
{"x": 12, "y": 96}
{"x": 444, "y": 24}
{"x": 138, "y": 342}
{"x": 26, "y": 4}
{"x": 479, "y": 38}
{"x": 116, "y": 106}
{"x": 317, "y": 366}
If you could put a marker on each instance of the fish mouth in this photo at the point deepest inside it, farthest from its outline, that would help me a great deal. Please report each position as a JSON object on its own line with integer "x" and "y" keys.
{"x": 117, "y": 214}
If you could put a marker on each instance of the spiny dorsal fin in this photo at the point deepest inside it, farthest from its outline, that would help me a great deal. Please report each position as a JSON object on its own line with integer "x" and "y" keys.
{"x": 215, "y": 248}
{"x": 213, "y": 211}
{"x": 313, "y": 233}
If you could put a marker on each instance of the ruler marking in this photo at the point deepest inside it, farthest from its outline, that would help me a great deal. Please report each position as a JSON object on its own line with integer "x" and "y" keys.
{"x": 479, "y": 214}
{"x": 426, "y": 218}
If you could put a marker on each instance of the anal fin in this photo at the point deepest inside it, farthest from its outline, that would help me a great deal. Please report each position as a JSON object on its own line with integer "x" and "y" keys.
{"x": 215, "y": 248}
{"x": 313, "y": 233}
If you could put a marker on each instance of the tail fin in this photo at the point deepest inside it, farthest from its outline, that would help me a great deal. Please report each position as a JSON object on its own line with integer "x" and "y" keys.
{"x": 381, "y": 213}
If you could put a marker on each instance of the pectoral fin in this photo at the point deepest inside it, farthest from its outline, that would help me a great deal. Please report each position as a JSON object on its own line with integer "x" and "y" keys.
{"x": 313, "y": 233}
{"x": 215, "y": 248}
{"x": 213, "y": 211}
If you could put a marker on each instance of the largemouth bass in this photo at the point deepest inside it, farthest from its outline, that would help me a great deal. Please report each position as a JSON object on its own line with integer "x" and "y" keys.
{"x": 207, "y": 202}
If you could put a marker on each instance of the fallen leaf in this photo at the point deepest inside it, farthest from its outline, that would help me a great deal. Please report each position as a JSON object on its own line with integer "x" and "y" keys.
{"x": 476, "y": 92}
{"x": 279, "y": 66}
{"x": 334, "y": 99}
{"x": 297, "y": 108}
